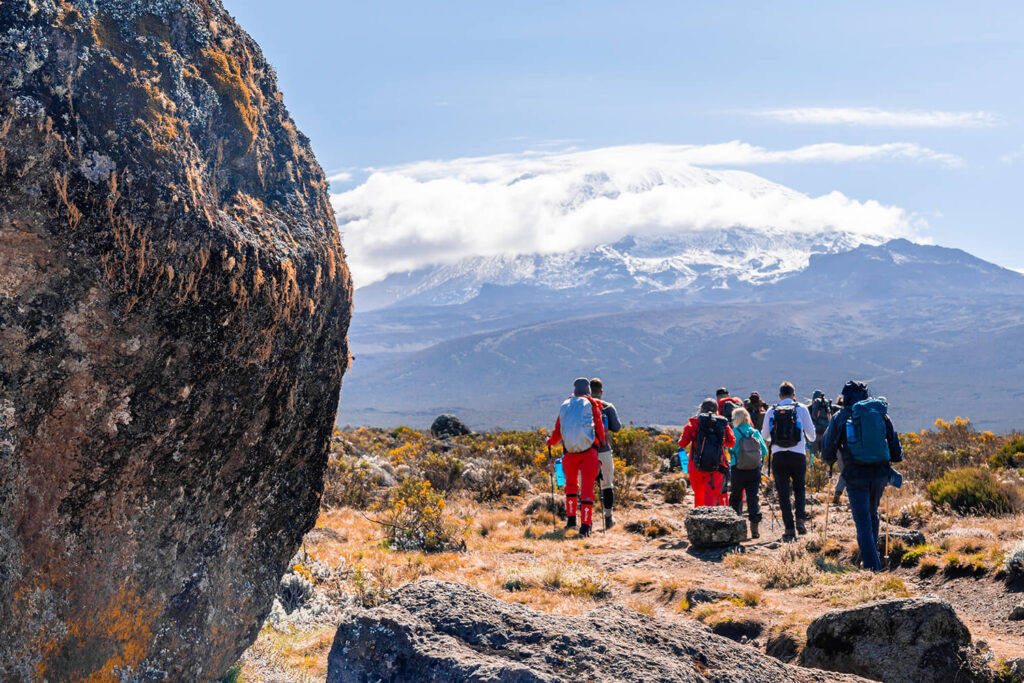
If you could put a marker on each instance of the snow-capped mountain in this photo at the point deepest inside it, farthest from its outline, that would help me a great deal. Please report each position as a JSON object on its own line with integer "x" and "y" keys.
{"x": 687, "y": 264}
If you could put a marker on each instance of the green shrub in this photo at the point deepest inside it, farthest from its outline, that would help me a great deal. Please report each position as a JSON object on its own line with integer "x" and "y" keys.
{"x": 500, "y": 479}
{"x": 234, "y": 675}
{"x": 912, "y": 557}
{"x": 442, "y": 470}
{"x": 1010, "y": 456}
{"x": 972, "y": 490}
{"x": 416, "y": 518}
{"x": 350, "y": 482}
{"x": 674, "y": 491}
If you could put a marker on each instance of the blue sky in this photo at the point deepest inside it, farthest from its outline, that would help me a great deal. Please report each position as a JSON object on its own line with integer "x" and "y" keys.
{"x": 389, "y": 83}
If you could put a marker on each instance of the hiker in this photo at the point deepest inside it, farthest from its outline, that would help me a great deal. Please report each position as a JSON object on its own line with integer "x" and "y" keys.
{"x": 745, "y": 459}
{"x": 864, "y": 436}
{"x": 821, "y": 414}
{"x": 726, "y": 403}
{"x": 580, "y": 428}
{"x": 708, "y": 435}
{"x": 786, "y": 425}
{"x": 610, "y": 418}
{"x": 837, "y": 496}
{"x": 756, "y": 407}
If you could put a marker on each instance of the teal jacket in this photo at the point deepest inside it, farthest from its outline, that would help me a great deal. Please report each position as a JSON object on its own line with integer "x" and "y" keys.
{"x": 742, "y": 431}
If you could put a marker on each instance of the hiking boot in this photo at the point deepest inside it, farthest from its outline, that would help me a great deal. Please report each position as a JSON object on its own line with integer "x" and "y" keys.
{"x": 837, "y": 499}
{"x": 753, "y": 530}
{"x": 584, "y": 530}
{"x": 788, "y": 536}
{"x": 801, "y": 528}
{"x": 570, "y": 522}
{"x": 609, "y": 521}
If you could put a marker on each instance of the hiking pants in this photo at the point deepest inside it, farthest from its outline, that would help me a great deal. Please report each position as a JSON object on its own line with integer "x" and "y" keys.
{"x": 840, "y": 484}
{"x": 706, "y": 487}
{"x": 580, "y": 475}
{"x": 749, "y": 482}
{"x": 607, "y": 459}
{"x": 819, "y": 436}
{"x": 790, "y": 471}
{"x": 864, "y": 488}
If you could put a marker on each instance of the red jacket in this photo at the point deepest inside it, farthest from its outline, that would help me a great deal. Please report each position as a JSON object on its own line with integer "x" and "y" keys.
{"x": 690, "y": 433}
{"x": 599, "y": 433}
{"x": 728, "y": 399}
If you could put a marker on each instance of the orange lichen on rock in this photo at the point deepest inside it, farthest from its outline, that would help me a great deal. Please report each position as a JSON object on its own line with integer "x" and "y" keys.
{"x": 221, "y": 71}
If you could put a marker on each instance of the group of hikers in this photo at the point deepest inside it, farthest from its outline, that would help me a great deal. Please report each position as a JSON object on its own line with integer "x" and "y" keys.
{"x": 727, "y": 445}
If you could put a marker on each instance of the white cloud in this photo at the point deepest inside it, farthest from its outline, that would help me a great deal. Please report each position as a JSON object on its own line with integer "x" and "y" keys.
{"x": 873, "y": 116}
{"x": 435, "y": 212}
{"x": 1014, "y": 156}
{"x": 340, "y": 177}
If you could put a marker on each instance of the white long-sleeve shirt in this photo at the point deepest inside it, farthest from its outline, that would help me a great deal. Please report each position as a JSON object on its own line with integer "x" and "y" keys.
{"x": 803, "y": 423}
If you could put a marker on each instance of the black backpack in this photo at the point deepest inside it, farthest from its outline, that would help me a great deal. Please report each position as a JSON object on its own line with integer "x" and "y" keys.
{"x": 821, "y": 413}
{"x": 785, "y": 430}
{"x": 710, "y": 442}
{"x": 727, "y": 409}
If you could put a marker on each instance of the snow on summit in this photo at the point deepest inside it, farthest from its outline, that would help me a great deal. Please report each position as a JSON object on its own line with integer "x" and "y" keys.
{"x": 500, "y": 215}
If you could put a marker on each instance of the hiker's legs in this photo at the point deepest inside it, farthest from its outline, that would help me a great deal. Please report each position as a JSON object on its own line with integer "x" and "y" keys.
{"x": 864, "y": 494}
{"x": 736, "y": 493}
{"x": 782, "y": 469}
{"x": 840, "y": 485}
{"x": 704, "y": 490}
{"x": 607, "y": 459}
{"x": 752, "y": 486}
{"x": 589, "y": 467}
{"x": 800, "y": 487}
{"x": 571, "y": 466}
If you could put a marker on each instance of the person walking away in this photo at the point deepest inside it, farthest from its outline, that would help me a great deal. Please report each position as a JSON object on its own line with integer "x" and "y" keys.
{"x": 756, "y": 407}
{"x": 708, "y": 435}
{"x": 726, "y": 403}
{"x": 610, "y": 418}
{"x": 787, "y": 425}
{"x": 864, "y": 437}
{"x": 746, "y": 457}
{"x": 837, "y": 496}
{"x": 580, "y": 429}
{"x": 821, "y": 414}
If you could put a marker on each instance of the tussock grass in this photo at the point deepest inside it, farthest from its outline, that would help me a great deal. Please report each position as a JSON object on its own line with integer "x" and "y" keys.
{"x": 574, "y": 578}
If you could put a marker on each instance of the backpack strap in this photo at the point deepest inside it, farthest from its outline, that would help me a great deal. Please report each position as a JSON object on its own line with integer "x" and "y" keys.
{"x": 595, "y": 408}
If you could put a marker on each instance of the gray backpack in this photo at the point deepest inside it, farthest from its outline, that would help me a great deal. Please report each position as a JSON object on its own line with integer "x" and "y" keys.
{"x": 748, "y": 453}
{"x": 576, "y": 418}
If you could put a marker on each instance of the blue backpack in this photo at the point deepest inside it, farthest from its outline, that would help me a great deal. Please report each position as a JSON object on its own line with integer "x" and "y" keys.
{"x": 865, "y": 432}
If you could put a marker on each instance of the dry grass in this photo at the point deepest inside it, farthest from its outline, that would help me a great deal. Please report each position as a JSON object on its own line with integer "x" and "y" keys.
{"x": 573, "y": 578}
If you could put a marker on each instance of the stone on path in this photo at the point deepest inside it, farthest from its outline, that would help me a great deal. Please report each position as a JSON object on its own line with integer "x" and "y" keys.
{"x": 715, "y": 527}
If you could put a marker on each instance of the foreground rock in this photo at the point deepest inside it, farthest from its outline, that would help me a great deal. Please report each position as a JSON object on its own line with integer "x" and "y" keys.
{"x": 715, "y": 527}
{"x": 173, "y": 308}
{"x": 912, "y": 640}
{"x": 439, "y": 632}
{"x": 447, "y": 426}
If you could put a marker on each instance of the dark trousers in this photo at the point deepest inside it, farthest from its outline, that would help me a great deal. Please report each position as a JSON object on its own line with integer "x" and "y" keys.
{"x": 864, "y": 488}
{"x": 790, "y": 471}
{"x": 748, "y": 482}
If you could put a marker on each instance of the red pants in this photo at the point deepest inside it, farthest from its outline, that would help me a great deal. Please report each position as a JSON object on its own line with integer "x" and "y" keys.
{"x": 707, "y": 487}
{"x": 579, "y": 466}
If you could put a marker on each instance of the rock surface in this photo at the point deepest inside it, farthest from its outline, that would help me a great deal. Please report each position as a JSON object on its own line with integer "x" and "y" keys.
{"x": 715, "y": 527}
{"x": 173, "y": 308}
{"x": 448, "y": 425}
{"x": 904, "y": 640}
{"x": 436, "y": 631}
{"x": 908, "y": 537}
{"x": 697, "y": 596}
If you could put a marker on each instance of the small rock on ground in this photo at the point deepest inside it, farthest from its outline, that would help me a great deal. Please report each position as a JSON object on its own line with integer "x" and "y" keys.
{"x": 715, "y": 527}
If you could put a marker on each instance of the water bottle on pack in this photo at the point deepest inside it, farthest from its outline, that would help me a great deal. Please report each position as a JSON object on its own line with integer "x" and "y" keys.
{"x": 559, "y": 473}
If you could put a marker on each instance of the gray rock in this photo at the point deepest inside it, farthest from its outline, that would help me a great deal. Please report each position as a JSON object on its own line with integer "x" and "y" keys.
{"x": 715, "y": 527}
{"x": 1017, "y": 613}
{"x": 439, "y": 632}
{"x": 448, "y": 425}
{"x": 173, "y": 308}
{"x": 1015, "y": 667}
{"x": 542, "y": 501}
{"x": 905, "y": 640}
{"x": 908, "y": 537}
{"x": 696, "y": 596}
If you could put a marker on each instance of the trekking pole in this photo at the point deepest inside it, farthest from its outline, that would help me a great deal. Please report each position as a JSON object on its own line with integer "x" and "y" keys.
{"x": 551, "y": 478}
{"x": 828, "y": 506}
{"x": 888, "y": 509}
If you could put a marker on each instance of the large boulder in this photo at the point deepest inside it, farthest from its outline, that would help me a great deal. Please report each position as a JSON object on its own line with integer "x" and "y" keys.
{"x": 173, "y": 308}
{"x": 445, "y": 426}
{"x": 904, "y": 640}
{"x": 715, "y": 527}
{"x": 440, "y": 632}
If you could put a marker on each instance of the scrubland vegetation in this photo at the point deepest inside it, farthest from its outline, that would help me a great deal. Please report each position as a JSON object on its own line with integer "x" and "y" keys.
{"x": 400, "y": 505}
